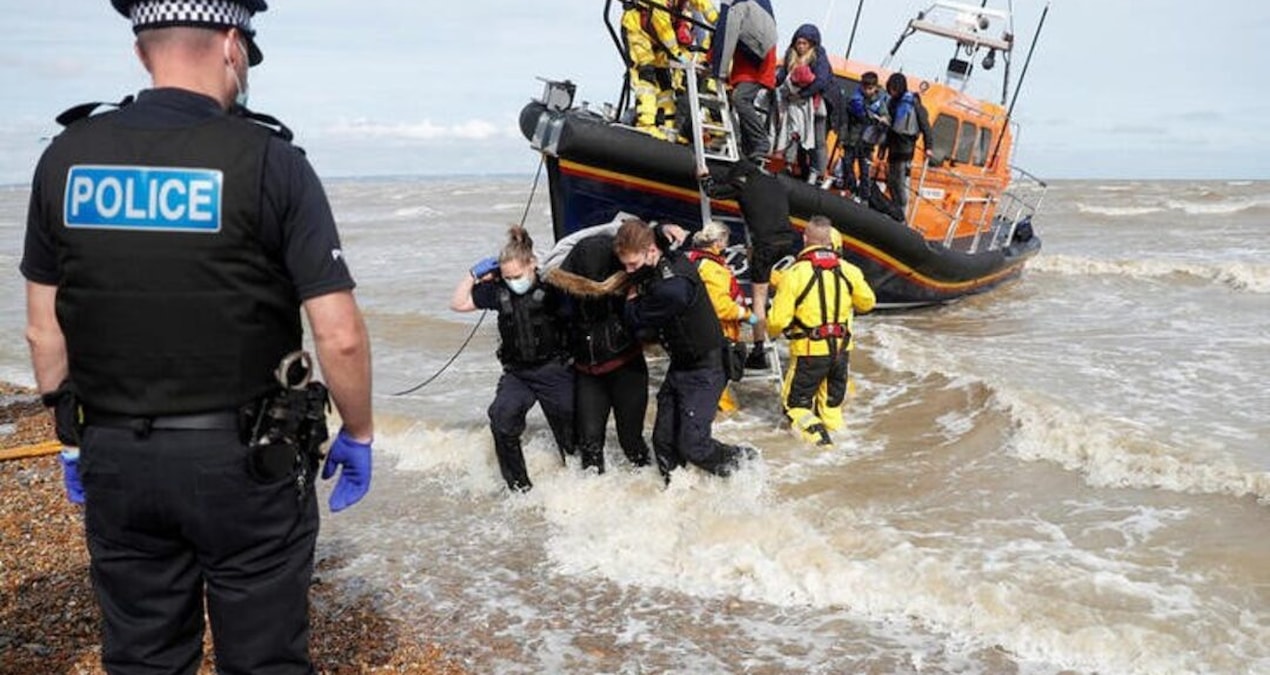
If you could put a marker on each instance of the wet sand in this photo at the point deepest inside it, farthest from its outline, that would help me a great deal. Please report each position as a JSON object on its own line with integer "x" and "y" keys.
{"x": 49, "y": 617}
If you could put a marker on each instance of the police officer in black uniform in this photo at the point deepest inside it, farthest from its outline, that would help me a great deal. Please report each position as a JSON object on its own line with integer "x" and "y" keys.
{"x": 532, "y": 349}
{"x": 670, "y": 300}
{"x": 170, "y": 245}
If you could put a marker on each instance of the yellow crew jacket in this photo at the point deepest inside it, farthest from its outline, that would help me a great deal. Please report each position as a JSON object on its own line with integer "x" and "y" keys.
{"x": 650, "y": 34}
{"x": 809, "y": 313}
{"x": 724, "y": 292}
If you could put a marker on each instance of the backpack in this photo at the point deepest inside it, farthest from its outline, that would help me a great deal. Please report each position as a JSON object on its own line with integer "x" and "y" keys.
{"x": 905, "y": 122}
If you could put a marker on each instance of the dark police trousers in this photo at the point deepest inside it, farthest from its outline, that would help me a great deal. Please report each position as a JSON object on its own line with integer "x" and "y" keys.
{"x": 551, "y": 386}
{"x": 172, "y": 516}
{"x": 686, "y": 405}
{"x": 623, "y": 390}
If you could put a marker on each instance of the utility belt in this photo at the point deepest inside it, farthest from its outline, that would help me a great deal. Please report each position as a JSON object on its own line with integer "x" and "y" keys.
{"x": 284, "y": 429}
{"x": 826, "y": 331}
{"x": 223, "y": 419}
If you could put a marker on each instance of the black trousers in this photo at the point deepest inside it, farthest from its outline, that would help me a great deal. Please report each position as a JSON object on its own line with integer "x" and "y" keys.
{"x": 754, "y": 143}
{"x": 172, "y": 518}
{"x": 686, "y": 405}
{"x": 551, "y": 386}
{"x": 623, "y": 391}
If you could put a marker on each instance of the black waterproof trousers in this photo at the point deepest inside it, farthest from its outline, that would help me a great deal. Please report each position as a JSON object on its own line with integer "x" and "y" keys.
{"x": 173, "y": 520}
{"x": 686, "y": 405}
{"x": 551, "y": 386}
{"x": 624, "y": 391}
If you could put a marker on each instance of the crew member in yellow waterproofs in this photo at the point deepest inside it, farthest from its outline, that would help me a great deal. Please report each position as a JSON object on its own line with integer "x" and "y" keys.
{"x": 655, "y": 32}
{"x": 815, "y": 306}
{"x": 725, "y": 293}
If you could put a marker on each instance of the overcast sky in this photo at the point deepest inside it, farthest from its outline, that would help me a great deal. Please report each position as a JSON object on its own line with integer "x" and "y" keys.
{"x": 1117, "y": 89}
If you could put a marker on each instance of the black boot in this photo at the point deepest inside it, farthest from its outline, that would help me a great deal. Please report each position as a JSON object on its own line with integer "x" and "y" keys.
{"x": 511, "y": 462}
{"x": 592, "y": 455}
{"x": 562, "y": 431}
{"x": 757, "y": 360}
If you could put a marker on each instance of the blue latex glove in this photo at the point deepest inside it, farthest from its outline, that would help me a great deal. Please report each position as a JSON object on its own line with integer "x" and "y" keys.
{"x": 353, "y": 460}
{"x": 69, "y": 459}
{"x": 484, "y": 266}
{"x": 752, "y": 319}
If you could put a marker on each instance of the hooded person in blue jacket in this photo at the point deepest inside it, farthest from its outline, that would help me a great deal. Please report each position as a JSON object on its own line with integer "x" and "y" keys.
{"x": 908, "y": 121}
{"x": 804, "y": 56}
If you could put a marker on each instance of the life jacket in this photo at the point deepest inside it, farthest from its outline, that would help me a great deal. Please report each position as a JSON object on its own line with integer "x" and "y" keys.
{"x": 528, "y": 330}
{"x": 697, "y": 255}
{"x": 168, "y": 300}
{"x": 826, "y": 267}
{"x": 695, "y": 333}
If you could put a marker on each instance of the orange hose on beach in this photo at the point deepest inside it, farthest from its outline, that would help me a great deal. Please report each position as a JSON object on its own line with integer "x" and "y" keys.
{"x": 32, "y": 450}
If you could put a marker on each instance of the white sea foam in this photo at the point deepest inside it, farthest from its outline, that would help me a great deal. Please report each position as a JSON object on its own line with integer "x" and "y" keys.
{"x": 418, "y": 211}
{"x": 1117, "y": 210}
{"x": 710, "y": 538}
{"x": 1106, "y": 452}
{"x": 1240, "y": 276}
{"x": 1118, "y": 453}
{"x": 1189, "y": 207}
{"x": 1198, "y": 208}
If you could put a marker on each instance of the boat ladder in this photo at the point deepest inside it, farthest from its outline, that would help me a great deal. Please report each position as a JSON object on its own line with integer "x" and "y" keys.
{"x": 713, "y": 128}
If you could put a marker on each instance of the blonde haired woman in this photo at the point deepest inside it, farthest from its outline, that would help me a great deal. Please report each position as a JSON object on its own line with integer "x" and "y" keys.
{"x": 531, "y": 347}
{"x": 708, "y": 246}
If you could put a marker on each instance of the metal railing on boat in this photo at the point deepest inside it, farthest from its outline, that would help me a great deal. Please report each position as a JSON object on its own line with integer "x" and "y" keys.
{"x": 1018, "y": 202}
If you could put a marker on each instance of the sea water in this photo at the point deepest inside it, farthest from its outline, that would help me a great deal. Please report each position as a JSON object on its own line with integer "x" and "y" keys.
{"x": 1070, "y": 473}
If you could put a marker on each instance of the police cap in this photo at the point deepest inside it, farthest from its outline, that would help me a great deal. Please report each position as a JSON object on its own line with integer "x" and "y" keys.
{"x": 146, "y": 14}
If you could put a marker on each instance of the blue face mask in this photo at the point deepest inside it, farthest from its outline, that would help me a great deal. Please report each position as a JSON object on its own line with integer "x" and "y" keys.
{"x": 521, "y": 285}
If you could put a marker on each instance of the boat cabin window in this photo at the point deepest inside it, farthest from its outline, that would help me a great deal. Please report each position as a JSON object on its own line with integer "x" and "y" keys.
{"x": 945, "y": 132}
{"x": 965, "y": 143}
{"x": 985, "y": 146}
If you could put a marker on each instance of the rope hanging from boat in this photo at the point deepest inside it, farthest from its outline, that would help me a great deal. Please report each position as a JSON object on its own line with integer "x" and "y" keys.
{"x": 471, "y": 334}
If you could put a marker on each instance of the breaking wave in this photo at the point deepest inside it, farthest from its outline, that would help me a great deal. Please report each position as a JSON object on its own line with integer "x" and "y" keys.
{"x": 1239, "y": 276}
{"x": 1107, "y": 452}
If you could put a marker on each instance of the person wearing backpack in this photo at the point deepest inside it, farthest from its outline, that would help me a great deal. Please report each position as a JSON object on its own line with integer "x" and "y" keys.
{"x": 867, "y": 122}
{"x": 908, "y": 120}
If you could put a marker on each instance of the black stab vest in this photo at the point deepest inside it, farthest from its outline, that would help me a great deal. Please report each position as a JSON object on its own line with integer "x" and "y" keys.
{"x": 162, "y": 322}
{"x": 528, "y": 329}
{"x": 693, "y": 338}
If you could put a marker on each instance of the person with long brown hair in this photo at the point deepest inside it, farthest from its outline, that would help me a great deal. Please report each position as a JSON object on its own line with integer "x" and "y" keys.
{"x": 532, "y": 349}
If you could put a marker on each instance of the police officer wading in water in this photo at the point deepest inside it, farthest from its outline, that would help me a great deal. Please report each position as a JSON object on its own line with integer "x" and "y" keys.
{"x": 668, "y": 298}
{"x": 170, "y": 245}
{"x": 815, "y": 305}
{"x": 531, "y": 348}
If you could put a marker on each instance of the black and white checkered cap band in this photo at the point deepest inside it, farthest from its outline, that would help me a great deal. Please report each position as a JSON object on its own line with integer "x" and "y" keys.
{"x": 161, "y": 13}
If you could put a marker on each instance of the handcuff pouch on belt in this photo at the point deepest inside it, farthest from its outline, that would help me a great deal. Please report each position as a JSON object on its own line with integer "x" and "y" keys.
{"x": 285, "y": 428}
{"x": 68, "y": 417}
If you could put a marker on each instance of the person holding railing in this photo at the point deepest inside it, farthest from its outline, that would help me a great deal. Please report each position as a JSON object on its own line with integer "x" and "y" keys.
{"x": 908, "y": 120}
{"x": 744, "y": 51}
{"x": 867, "y": 121}
{"x": 651, "y": 41}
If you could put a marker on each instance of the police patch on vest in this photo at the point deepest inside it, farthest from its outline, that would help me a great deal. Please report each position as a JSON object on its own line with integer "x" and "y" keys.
{"x": 143, "y": 198}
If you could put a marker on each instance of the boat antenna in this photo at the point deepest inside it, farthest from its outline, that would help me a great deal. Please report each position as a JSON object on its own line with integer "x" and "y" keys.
{"x": 1005, "y": 82}
{"x": 854, "y": 24}
{"x": 1022, "y": 74}
{"x": 472, "y": 333}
